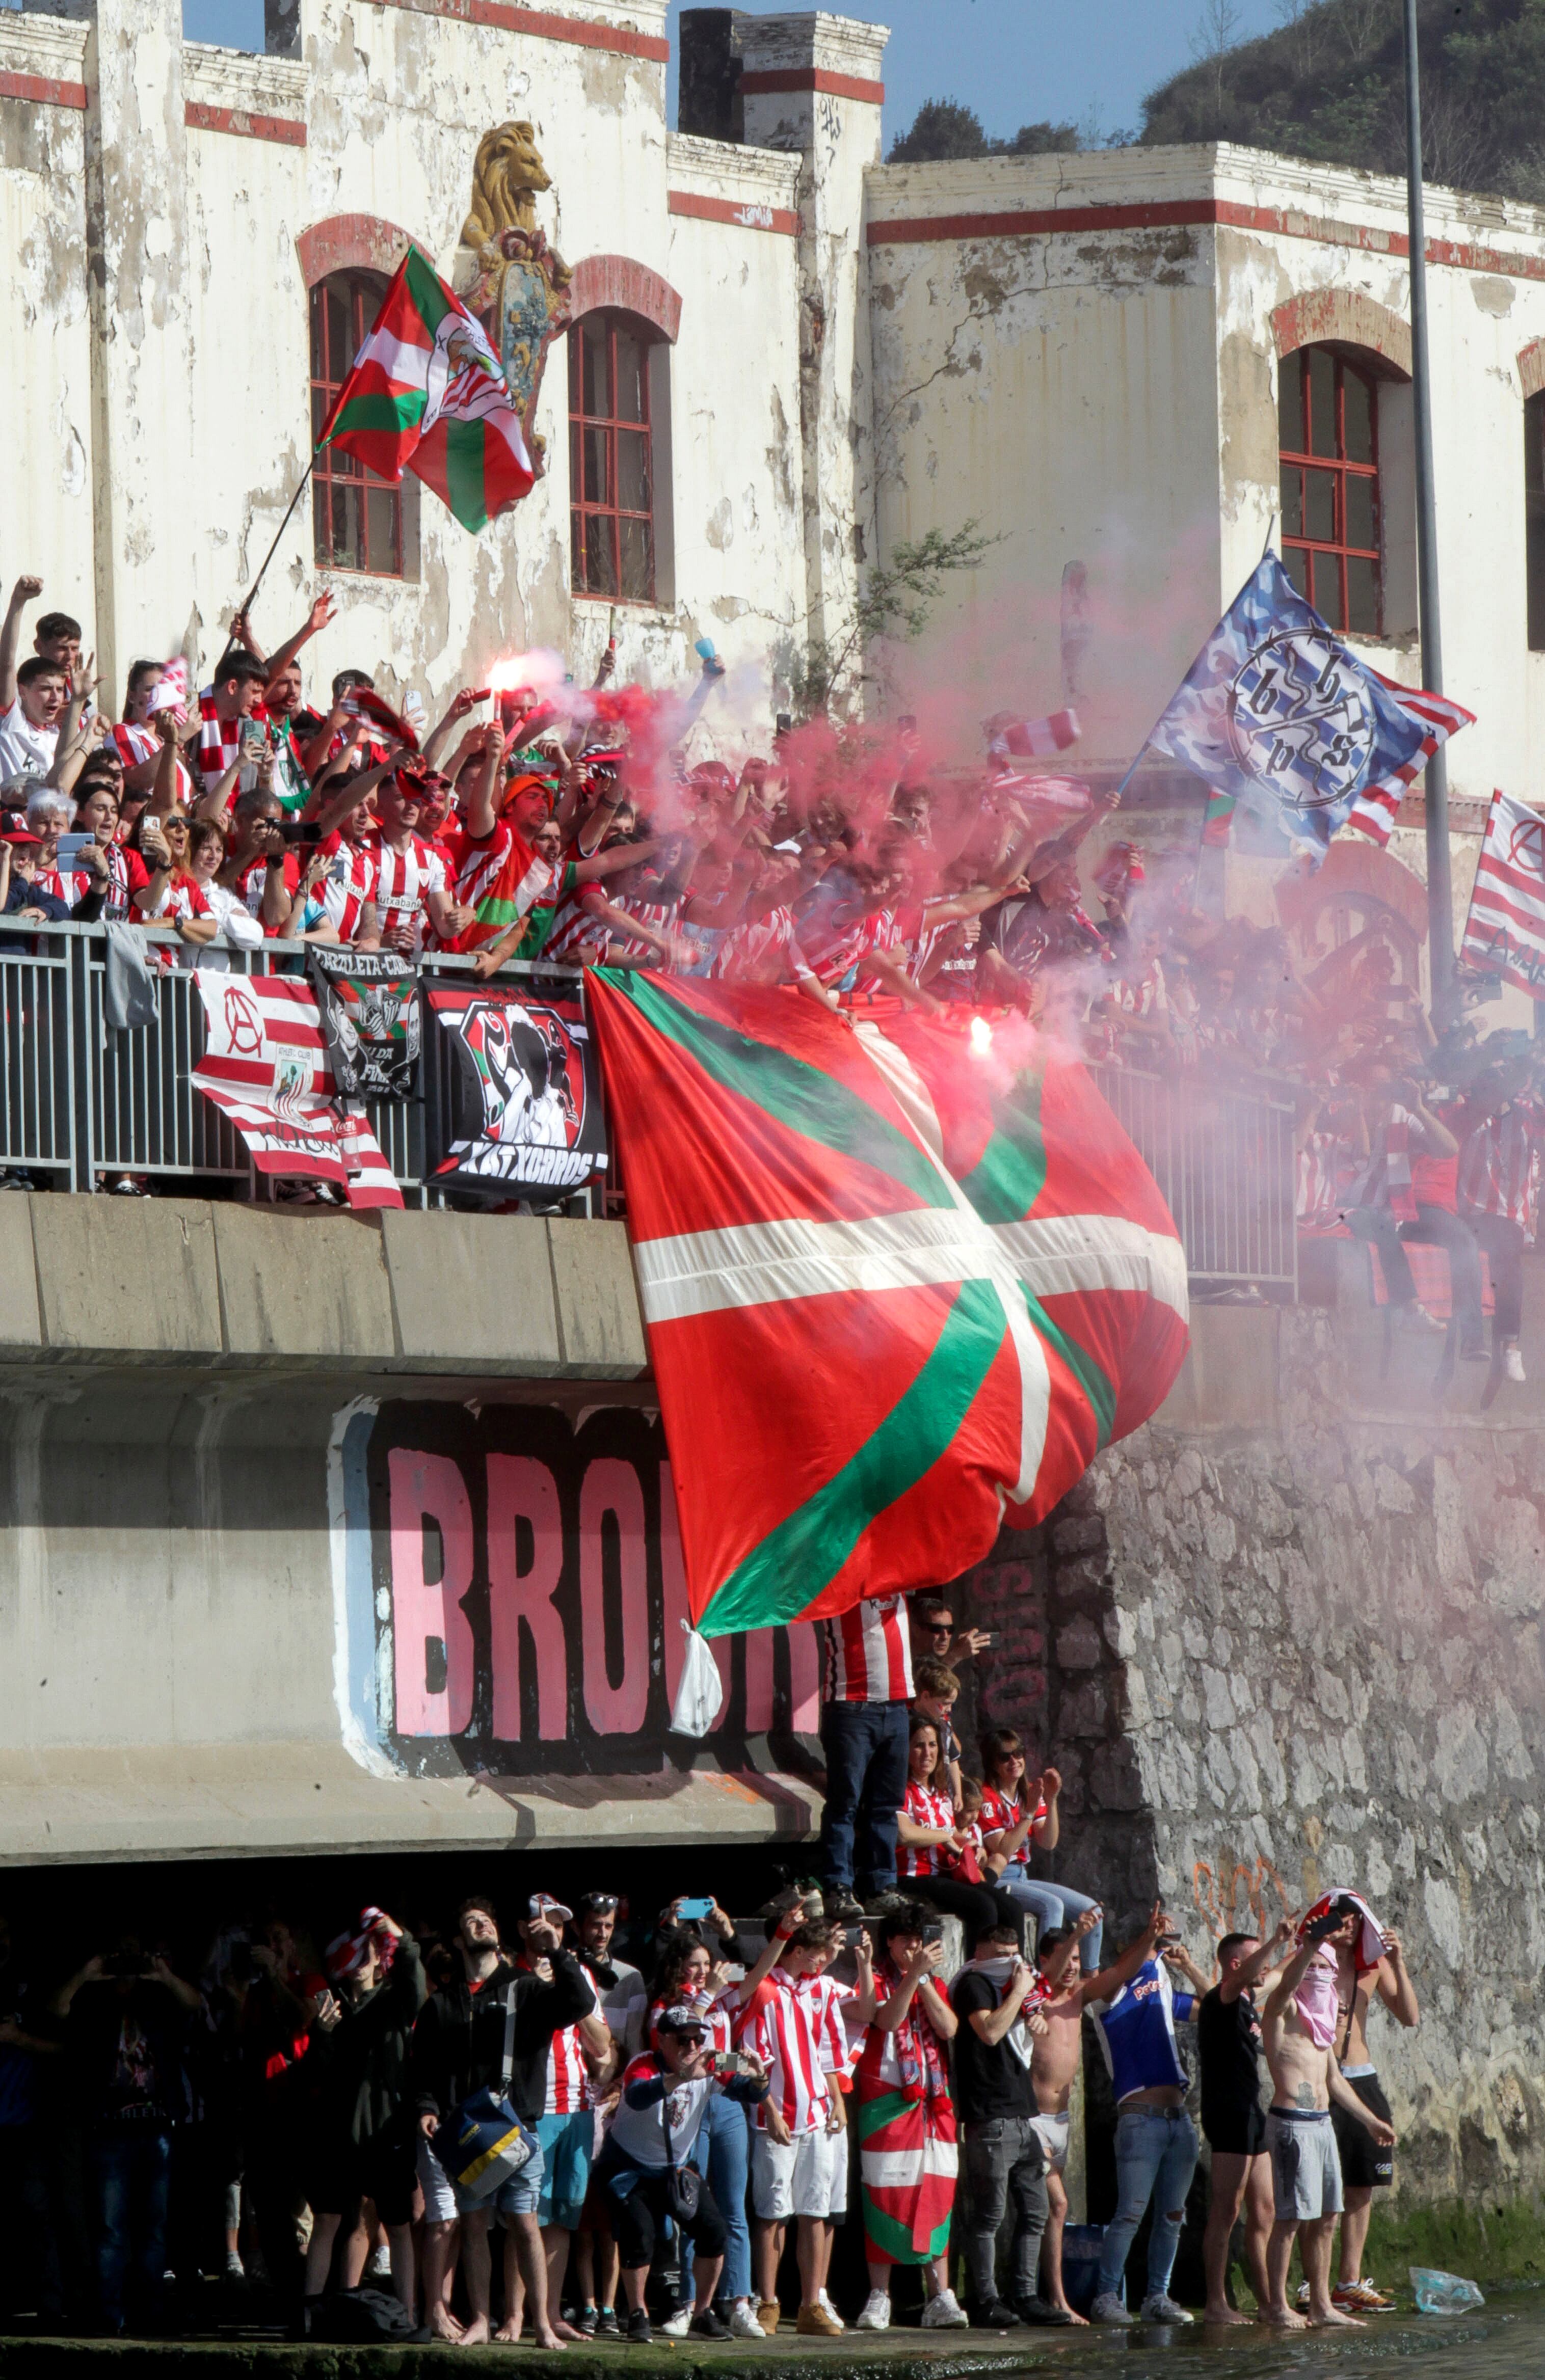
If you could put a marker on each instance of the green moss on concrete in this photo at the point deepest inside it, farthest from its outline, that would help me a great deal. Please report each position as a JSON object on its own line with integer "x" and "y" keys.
{"x": 902, "y": 2355}
{"x": 1484, "y": 2243}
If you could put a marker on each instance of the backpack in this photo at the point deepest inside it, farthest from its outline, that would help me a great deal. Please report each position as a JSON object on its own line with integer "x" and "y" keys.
{"x": 362, "y": 2318}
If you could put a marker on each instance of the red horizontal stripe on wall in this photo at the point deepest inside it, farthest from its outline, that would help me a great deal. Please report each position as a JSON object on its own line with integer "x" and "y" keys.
{"x": 44, "y": 89}
{"x": 1283, "y": 223}
{"x": 542, "y": 25}
{"x": 748, "y": 214}
{"x": 286, "y": 129}
{"x": 838, "y": 86}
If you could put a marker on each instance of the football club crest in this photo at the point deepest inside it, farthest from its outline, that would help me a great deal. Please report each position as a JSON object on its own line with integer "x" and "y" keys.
{"x": 1300, "y": 722}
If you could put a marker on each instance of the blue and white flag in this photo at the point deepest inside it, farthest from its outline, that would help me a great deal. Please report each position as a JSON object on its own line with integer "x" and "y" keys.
{"x": 1277, "y": 713}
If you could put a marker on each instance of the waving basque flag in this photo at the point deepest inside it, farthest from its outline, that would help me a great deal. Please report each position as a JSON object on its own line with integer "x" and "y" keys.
{"x": 892, "y": 1294}
{"x": 427, "y": 394}
{"x": 1277, "y": 711}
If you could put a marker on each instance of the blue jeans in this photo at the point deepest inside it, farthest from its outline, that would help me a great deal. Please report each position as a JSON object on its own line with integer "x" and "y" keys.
{"x": 1156, "y": 2156}
{"x": 724, "y": 2154}
{"x": 865, "y": 1745}
{"x": 1056, "y": 1905}
{"x": 130, "y": 2166}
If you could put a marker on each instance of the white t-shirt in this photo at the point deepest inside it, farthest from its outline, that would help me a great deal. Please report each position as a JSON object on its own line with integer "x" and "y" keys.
{"x": 24, "y": 746}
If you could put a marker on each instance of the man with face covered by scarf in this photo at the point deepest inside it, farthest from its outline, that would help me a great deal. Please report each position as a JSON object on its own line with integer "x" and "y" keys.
{"x": 1298, "y": 2035}
{"x": 995, "y": 1999}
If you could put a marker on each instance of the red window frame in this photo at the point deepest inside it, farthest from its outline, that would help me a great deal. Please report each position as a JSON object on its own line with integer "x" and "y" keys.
{"x": 1329, "y": 569}
{"x": 612, "y": 542}
{"x": 356, "y": 515}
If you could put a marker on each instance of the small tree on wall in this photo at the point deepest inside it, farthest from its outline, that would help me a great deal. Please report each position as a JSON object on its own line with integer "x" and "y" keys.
{"x": 896, "y": 599}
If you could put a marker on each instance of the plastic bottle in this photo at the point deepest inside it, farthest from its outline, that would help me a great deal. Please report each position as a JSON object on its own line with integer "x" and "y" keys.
{"x": 1442, "y": 2293}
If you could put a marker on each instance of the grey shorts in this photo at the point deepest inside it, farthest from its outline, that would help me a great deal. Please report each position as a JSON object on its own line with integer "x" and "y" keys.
{"x": 1306, "y": 2164}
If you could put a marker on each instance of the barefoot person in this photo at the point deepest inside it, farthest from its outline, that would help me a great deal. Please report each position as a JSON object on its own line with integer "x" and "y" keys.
{"x": 1053, "y": 2063}
{"x": 1233, "y": 2119}
{"x": 1367, "y": 2164}
{"x": 1298, "y": 2034}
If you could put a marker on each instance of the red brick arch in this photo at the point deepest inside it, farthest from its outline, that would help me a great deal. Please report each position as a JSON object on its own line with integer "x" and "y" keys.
{"x": 619, "y": 281}
{"x": 353, "y": 244}
{"x": 1344, "y": 318}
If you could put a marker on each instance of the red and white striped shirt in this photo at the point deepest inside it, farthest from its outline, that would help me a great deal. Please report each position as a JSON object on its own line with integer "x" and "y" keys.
{"x": 998, "y": 1815}
{"x": 569, "y": 2090}
{"x": 925, "y": 1808}
{"x": 717, "y": 2009}
{"x": 219, "y": 740}
{"x": 404, "y": 882}
{"x": 793, "y": 2026}
{"x": 576, "y": 927}
{"x": 868, "y": 1654}
{"x": 759, "y": 951}
{"x": 135, "y": 744}
{"x": 1500, "y": 1164}
{"x": 256, "y": 877}
{"x": 349, "y": 882}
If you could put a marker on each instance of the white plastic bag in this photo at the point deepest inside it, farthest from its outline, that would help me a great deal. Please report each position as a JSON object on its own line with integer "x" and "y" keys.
{"x": 701, "y": 1690}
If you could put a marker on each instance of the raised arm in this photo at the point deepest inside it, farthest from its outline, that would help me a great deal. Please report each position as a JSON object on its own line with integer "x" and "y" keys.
{"x": 1109, "y": 1980}
{"x": 1394, "y": 1986}
{"x": 312, "y": 626}
{"x": 1249, "y": 1971}
{"x": 25, "y": 591}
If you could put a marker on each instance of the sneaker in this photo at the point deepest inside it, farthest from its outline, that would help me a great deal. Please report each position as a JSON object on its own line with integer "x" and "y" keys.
{"x": 1476, "y": 1354}
{"x": 639, "y": 2332}
{"x": 1164, "y": 2309}
{"x": 706, "y": 2325}
{"x": 1513, "y": 1365}
{"x": 877, "y": 2311}
{"x": 1302, "y": 2299}
{"x": 945, "y": 2312}
{"x": 380, "y": 2266}
{"x": 1108, "y": 2308}
{"x": 768, "y": 2312}
{"x": 606, "y": 2323}
{"x": 1360, "y": 2297}
{"x": 844, "y": 1907}
{"x": 996, "y": 2314}
{"x": 788, "y": 1897}
{"x": 677, "y": 2325}
{"x": 744, "y": 2322}
{"x": 585, "y": 2321}
{"x": 816, "y": 2322}
{"x": 1417, "y": 1318}
{"x": 1038, "y": 2310}
{"x": 825, "y": 2301}
{"x": 234, "y": 2269}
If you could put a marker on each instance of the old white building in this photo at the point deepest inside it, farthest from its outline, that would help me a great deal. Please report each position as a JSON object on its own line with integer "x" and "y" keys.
{"x": 1102, "y": 359}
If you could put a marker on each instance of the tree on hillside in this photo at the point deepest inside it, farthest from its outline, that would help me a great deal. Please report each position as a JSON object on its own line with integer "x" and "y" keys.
{"x": 943, "y": 128}
{"x": 1330, "y": 85}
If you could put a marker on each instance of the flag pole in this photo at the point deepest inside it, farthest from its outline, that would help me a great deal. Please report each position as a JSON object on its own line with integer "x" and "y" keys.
{"x": 251, "y": 598}
{"x": 1439, "y": 885}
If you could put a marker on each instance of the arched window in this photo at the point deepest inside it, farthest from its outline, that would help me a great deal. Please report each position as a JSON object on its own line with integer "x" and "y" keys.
{"x": 611, "y": 457}
{"x": 357, "y": 516}
{"x": 1328, "y": 450}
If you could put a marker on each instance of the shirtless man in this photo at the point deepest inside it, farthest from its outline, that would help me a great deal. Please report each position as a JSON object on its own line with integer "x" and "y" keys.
{"x": 1055, "y": 2062}
{"x": 1298, "y": 2032}
{"x": 1365, "y": 2164}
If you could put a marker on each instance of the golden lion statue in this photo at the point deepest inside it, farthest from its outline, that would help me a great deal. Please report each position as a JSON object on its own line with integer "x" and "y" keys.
{"x": 506, "y": 175}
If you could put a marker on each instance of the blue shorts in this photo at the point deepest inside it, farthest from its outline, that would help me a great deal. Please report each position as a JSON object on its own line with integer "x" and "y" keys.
{"x": 444, "y": 2201}
{"x": 568, "y": 2146}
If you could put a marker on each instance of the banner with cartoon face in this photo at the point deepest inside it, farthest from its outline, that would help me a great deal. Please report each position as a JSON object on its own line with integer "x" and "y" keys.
{"x": 522, "y": 1113}
{"x": 369, "y": 1004}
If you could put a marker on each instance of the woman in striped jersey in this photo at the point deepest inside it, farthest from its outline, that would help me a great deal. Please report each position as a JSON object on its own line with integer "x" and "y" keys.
{"x": 908, "y": 2153}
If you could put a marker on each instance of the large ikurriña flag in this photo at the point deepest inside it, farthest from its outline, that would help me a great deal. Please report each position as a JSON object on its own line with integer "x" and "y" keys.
{"x": 890, "y": 1302}
{"x": 1276, "y": 711}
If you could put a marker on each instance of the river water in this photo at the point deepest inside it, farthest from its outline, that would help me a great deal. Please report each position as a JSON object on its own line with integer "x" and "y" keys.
{"x": 1503, "y": 2341}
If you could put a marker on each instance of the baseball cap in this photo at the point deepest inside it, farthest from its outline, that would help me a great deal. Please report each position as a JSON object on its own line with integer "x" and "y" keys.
{"x": 541, "y": 1904}
{"x": 681, "y": 2020}
{"x": 19, "y": 834}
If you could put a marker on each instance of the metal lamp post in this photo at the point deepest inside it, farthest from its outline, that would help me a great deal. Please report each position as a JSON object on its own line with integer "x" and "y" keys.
{"x": 1440, "y": 891}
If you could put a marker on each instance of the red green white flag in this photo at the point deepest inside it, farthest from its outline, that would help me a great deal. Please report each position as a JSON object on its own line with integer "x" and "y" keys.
{"x": 894, "y": 1292}
{"x": 427, "y": 394}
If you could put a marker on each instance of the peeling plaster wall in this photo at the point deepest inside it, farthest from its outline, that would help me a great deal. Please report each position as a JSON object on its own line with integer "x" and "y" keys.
{"x": 1110, "y": 397}
{"x": 393, "y": 100}
{"x": 45, "y": 311}
{"x": 1289, "y": 1635}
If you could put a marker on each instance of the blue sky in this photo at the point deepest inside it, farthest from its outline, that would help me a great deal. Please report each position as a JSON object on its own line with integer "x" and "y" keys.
{"x": 1014, "y": 61}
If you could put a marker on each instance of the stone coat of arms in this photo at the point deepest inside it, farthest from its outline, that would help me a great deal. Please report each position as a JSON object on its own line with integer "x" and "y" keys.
{"x": 505, "y": 272}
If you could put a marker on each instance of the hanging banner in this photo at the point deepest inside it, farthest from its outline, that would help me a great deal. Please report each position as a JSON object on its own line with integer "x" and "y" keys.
{"x": 265, "y": 1065}
{"x": 524, "y": 1110}
{"x": 369, "y": 1004}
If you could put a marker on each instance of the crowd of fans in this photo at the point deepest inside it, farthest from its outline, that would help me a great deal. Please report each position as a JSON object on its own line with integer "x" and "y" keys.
{"x": 849, "y": 862}
{"x": 640, "y": 2116}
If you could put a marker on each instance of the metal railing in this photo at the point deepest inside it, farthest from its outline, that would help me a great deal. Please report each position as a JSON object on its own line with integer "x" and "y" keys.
{"x": 1221, "y": 1151}
{"x": 82, "y": 1101}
